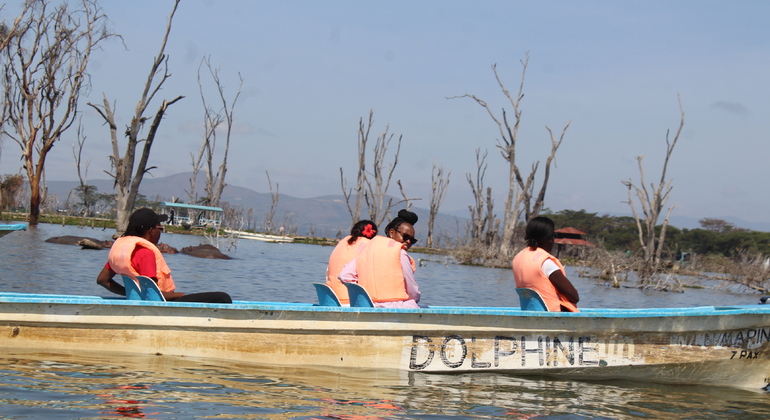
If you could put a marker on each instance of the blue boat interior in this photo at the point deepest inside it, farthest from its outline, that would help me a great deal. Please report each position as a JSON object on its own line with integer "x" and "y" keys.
{"x": 326, "y": 296}
{"x": 132, "y": 289}
{"x": 459, "y": 310}
{"x": 359, "y": 297}
{"x": 530, "y": 299}
{"x": 149, "y": 290}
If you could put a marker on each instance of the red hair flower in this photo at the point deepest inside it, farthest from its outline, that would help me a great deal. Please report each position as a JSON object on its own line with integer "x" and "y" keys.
{"x": 369, "y": 232}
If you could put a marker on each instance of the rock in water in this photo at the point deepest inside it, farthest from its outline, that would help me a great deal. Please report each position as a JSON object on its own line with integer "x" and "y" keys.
{"x": 90, "y": 244}
{"x": 166, "y": 248}
{"x": 70, "y": 240}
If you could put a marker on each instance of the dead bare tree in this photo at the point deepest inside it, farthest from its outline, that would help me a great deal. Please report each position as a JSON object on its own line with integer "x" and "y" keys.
{"x": 373, "y": 185}
{"x": 492, "y": 223}
{"x": 197, "y": 160}
{"x": 215, "y": 180}
{"x": 439, "y": 185}
{"x": 86, "y": 191}
{"x": 363, "y": 138}
{"x": 232, "y": 217}
{"x": 478, "y": 220}
{"x": 484, "y": 226}
{"x": 652, "y": 202}
{"x": 46, "y": 56}
{"x": 126, "y": 172}
{"x": 407, "y": 200}
{"x": 378, "y": 181}
{"x": 533, "y": 209}
{"x": 274, "y": 196}
{"x": 289, "y": 227}
{"x": 518, "y": 204}
{"x": 249, "y": 217}
{"x": 8, "y": 33}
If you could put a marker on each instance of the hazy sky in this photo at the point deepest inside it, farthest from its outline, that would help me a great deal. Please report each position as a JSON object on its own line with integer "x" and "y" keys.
{"x": 311, "y": 69}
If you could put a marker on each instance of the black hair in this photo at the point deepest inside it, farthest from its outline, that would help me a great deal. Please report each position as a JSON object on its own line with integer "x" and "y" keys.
{"x": 404, "y": 216}
{"x": 133, "y": 230}
{"x": 539, "y": 231}
{"x": 362, "y": 228}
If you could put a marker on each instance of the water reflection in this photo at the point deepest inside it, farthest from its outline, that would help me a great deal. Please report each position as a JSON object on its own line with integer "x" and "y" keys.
{"x": 89, "y": 385}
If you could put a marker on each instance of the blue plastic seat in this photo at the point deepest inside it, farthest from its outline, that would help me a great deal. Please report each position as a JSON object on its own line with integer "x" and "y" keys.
{"x": 530, "y": 300}
{"x": 132, "y": 289}
{"x": 149, "y": 290}
{"x": 359, "y": 297}
{"x": 326, "y": 296}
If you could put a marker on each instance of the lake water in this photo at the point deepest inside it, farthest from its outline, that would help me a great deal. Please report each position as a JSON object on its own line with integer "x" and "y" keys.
{"x": 55, "y": 385}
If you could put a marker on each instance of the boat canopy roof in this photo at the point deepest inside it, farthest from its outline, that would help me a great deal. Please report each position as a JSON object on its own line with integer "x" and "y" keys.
{"x": 14, "y": 226}
{"x": 190, "y": 206}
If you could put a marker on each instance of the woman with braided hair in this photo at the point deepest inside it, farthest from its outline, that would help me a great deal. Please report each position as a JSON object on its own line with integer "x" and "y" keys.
{"x": 385, "y": 269}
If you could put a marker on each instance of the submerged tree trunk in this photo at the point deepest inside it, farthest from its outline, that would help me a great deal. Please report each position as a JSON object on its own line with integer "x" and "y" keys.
{"x": 439, "y": 185}
{"x": 126, "y": 171}
{"x": 46, "y": 54}
{"x": 519, "y": 205}
{"x": 372, "y": 185}
{"x": 215, "y": 180}
{"x": 481, "y": 223}
{"x": 652, "y": 203}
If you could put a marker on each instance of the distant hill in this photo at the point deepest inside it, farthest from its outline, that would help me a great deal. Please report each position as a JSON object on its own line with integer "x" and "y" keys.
{"x": 327, "y": 215}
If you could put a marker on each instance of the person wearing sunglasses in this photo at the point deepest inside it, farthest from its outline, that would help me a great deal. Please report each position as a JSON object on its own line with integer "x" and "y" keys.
{"x": 535, "y": 268}
{"x": 385, "y": 269}
{"x": 136, "y": 254}
{"x": 345, "y": 251}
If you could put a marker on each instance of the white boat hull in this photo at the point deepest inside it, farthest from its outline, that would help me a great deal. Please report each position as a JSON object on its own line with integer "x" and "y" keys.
{"x": 258, "y": 236}
{"x": 713, "y": 346}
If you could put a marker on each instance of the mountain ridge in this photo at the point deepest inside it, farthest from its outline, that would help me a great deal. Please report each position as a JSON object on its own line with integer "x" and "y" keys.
{"x": 327, "y": 214}
{"x": 322, "y": 216}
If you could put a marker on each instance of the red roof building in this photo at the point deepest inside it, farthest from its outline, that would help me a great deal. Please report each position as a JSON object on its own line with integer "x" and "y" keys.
{"x": 569, "y": 236}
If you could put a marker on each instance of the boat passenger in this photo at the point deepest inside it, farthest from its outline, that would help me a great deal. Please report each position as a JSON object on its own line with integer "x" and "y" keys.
{"x": 385, "y": 269}
{"x": 535, "y": 268}
{"x": 345, "y": 251}
{"x": 136, "y": 253}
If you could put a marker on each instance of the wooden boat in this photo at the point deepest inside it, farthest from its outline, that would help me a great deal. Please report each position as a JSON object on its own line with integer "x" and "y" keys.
{"x": 258, "y": 236}
{"x": 8, "y": 228}
{"x": 722, "y": 346}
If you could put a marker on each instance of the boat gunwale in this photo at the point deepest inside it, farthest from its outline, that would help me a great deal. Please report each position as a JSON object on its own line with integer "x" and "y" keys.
{"x": 6, "y": 297}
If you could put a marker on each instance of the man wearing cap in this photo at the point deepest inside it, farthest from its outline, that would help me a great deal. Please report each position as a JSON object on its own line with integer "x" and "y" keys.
{"x": 136, "y": 254}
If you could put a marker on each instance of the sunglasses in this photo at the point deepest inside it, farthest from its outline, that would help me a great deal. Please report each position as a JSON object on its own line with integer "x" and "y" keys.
{"x": 408, "y": 238}
{"x": 160, "y": 228}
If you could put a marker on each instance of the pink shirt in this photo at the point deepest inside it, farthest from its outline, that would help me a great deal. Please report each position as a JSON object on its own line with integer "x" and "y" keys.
{"x": 349, "y": 274}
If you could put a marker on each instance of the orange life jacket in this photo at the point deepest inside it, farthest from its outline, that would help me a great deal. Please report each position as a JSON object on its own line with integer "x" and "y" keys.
{"x": 528, "y": 272}
{"x": 120, "y": 261}
{"x": 343, "y": 253}
{"x": 379, "y": 270}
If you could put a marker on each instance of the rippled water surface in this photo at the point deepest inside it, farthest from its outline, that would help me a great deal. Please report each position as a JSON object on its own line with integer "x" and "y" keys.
{"x": 45, "y": 384}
